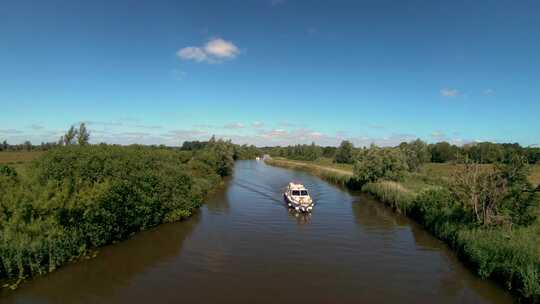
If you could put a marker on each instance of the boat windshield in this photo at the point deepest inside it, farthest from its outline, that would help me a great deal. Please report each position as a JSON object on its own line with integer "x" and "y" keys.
{"x": 303, "y": 192}
{"x": 295, "y": 193}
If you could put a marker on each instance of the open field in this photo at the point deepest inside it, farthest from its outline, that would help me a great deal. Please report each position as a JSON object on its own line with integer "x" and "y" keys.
{"x": 18, "y": 157}
{"x": 19, "y": 160}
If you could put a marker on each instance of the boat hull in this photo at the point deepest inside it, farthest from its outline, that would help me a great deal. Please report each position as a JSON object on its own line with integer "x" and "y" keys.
{"x": 297, "y": 206}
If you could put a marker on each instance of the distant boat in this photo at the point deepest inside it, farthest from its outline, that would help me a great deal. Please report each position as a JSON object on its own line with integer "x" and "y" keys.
{"x": 257, "y": 158}
{"x": 297, "y": 197}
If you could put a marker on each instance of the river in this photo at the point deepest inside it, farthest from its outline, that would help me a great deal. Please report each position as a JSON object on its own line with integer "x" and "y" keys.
{"x": 244, "y": 246}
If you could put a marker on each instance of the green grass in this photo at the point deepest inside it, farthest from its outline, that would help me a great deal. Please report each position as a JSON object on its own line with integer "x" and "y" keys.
{"x": 335, "y": 175}
{"x": 320, "y": 166}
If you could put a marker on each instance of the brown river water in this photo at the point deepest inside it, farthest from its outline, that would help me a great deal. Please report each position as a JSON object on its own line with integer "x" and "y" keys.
{"x": 244, "y": 246}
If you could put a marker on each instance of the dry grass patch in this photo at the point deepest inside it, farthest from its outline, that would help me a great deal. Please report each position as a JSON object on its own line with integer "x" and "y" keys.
{"x": 534, "y": 178}
{"x": 18, "y": 157}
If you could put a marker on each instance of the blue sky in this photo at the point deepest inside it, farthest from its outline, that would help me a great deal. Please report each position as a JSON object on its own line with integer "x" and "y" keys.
{"x": 271, "y": 72}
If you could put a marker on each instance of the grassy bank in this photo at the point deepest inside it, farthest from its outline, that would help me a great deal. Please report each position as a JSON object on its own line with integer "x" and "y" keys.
{"x": 75, "y": 199}
{"x": 337, "y": 174}
{"x": 509, "y": 255}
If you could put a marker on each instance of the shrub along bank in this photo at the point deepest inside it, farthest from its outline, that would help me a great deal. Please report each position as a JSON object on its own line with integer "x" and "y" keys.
{"x": 77, "y": 198}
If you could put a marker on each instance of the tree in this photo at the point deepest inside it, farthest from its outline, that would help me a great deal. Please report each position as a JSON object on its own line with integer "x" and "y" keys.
{"x": 443, "y": 152}
{"x": 83, "y": 135}
{"x": 69, "y": 137}
{"x": 380, "y": 163}
{"x": 345, "y": 153}
{"x": 27, "y": 145}
{"x": 486, "y": 153}
{"x": 416, "y": 152}
{"x": 522, "y": 198}
{"x": 498, "y": 194}
{"x": 302, "y": 152}
{"x": 480, "y": 191}
{"x": 329, "y": 152}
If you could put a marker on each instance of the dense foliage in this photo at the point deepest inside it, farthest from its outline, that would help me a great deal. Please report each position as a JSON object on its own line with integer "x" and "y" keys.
{"x": 416, "y": 154}
{"x": 345, "y": 153}
{"x": 79, "y": 197}
{"x": 483, "y": 153}
{"x": 380, "y": 163}
{"x": 297, "y": 152}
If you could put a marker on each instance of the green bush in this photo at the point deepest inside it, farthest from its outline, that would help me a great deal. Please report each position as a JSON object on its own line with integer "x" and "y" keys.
{"x": 345, "y": 153}
{"x": 76, "y": 198}
{"x": 380, "y": 163}
{"x": 8, "y": 171}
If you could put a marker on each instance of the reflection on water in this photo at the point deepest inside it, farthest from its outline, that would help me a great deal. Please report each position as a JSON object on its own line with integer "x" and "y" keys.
{"x": 115, "y": 267}
{"x": 245, "y": 246}
{"x": 301, "y": 218}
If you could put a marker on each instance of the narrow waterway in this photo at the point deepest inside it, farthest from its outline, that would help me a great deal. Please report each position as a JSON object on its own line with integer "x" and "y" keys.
{"x": 244, "y": 246}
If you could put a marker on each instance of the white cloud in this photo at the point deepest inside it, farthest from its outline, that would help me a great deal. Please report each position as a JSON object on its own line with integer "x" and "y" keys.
{"x": 213, "y": 51}
{"x": 103, "y": 123}
{"x": 449, "y": 92}
{"x": 149, "y": 127}
{"x": 257, "y": 124}
{"x": 11, "y": 131}
{"x": 236, "y": 125}
{"x": 185, "y": 133}
{"x": 136, "y": 134}
{"x": 221, "y": 48}
{"x": 275, "y": 133}
{"x": 192, "y": 53}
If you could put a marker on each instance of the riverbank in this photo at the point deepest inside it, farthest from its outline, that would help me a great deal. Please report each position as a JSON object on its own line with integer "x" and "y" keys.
{"x": 72, "y": 200}
{"x": 510, "y": 256}
{"x": 244, "y": 238}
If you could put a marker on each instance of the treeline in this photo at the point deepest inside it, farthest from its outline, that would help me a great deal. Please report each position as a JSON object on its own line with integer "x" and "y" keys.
{"x": 78, "y": 197}
{"x": 27, "y": 146}
{"x": 297, "y": 152}
{"x": 442, "y": 152}
{"x": 483, "y": 153}
{"x": 79, "y": 135}
{"x": 239, "y": 151}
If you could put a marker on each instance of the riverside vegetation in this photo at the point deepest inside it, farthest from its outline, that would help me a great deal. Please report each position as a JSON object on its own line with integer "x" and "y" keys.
{"x": 77, "y": 197}
{"x": 485, "y": 208}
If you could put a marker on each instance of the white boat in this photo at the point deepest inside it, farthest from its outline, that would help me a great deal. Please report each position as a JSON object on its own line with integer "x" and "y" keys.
{"x": 297, "y": 197}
